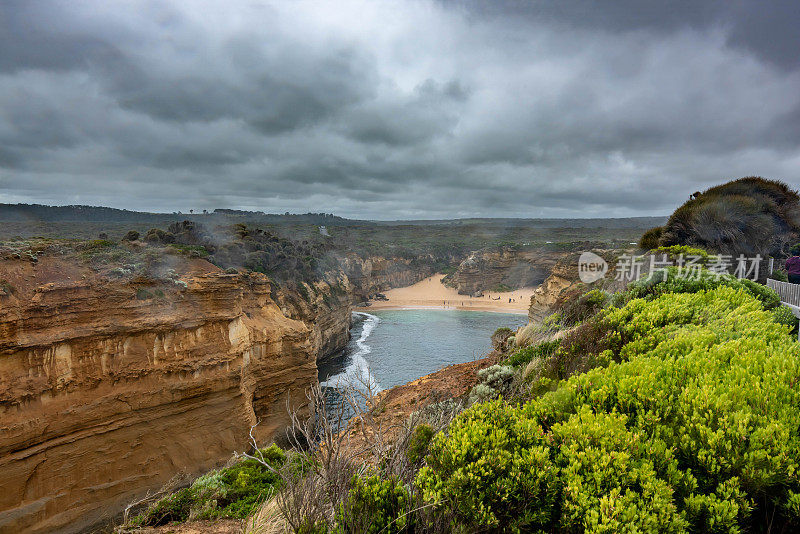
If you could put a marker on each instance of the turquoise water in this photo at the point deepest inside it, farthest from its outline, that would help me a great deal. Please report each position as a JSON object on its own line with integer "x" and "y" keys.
{"x": 392, "y": 347}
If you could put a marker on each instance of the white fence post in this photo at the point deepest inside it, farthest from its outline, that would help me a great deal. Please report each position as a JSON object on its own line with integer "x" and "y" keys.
{"x": 790, "y": 296}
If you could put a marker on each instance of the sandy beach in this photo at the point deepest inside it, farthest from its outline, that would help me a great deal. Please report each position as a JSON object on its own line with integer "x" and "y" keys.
{"x": 430, "y": 293}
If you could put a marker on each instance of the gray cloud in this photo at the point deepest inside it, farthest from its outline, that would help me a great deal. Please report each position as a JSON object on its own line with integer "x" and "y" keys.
{"x": 395, "y": 109}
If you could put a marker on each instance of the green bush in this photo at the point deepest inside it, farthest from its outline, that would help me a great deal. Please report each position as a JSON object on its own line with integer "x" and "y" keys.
{"x": 780, "y": 275}
{"x": 143, "y": 294}
{"x": 523, "y": 356}
{"x": 418, "y": 444}
{"x": 746, "y": 216}
{"x": 171, "y": 509}
{"x": 375, "y": 505}
{"x": 492, "y": 469}
{"x": 192, "y": 251}
{"x": 650, "y": 238}
{"x": 577, "y": 309}
{"x": 132, "y": 235}
{"x": 492, "y": 381}
{"x": 610, "y": 483}
{"x": 692, "y": 426}
{"x": 674, "y": 252}
{"x": 233, "y": 492}
{"x": 784, "y": 316}
{"x": 669, "y": 281}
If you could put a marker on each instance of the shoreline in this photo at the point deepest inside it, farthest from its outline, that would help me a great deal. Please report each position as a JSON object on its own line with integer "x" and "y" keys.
{"x": 431, "y": 294}
{"x": 512, "y": 311}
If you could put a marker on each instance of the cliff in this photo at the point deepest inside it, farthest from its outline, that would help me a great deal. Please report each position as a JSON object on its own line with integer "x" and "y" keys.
{"x": 564, "y": 279}
{"x": 110, "y": 386}
{"x": 371, "y": 275}
{"x": 111, "y": 383}
{"x": 326, "y": 308}
{"x": 490, "y": 270}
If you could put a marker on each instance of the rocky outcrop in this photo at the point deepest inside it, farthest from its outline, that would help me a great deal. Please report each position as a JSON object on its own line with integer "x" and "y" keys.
{"x": 110, "y": 384}
{"x": 326, "y": 307}
{"x": 564, "y": 278}
{"x": 502, "y": 269}
{"x": 368, "y": 276}
{"x": 109, "y": 387}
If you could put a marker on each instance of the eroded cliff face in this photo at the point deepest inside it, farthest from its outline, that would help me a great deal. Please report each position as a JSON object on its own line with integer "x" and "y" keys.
{"x": 111, "y": 387}
{"x": 489, "y": 270}
{"x": 564, "y": 278}
{"x": 368, "y": 276}
{"x": 326, "y": 307}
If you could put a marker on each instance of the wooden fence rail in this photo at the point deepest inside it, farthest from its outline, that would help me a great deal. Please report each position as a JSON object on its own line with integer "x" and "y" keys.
{"x": 788, "y": 292}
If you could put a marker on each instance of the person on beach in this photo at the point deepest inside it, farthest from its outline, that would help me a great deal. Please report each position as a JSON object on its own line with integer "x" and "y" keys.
{"x": 793, "y": 265}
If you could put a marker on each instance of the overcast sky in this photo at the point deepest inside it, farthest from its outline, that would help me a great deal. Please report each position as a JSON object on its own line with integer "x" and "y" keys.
{"x": 402, "y": 109}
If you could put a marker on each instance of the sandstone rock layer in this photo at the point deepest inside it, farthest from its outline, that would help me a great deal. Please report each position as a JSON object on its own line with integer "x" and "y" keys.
{"x": 111, "y": 387}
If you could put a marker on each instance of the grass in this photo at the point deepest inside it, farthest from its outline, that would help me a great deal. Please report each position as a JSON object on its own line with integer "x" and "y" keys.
{"x": 232, "y": 492}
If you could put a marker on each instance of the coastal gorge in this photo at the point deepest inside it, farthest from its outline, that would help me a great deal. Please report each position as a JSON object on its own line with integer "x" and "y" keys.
{"x": 143, "y": 354}
{"x": 112, "y": 384}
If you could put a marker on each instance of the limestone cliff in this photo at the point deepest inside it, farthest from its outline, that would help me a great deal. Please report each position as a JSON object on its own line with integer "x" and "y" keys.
{"x": 109, "y": 387}
{"x": 111, "y": 384}
{"x": 371, "y": 275}
{"x": 564, "y": 278}
{"x": 326, "y": 307}
{"x": 489, "y": 270}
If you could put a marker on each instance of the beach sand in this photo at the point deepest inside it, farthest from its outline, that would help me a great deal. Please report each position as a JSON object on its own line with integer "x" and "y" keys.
{"x": 430, "y": 293}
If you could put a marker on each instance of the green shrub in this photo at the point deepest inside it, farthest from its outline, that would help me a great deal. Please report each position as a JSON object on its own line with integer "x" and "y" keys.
{"x": 418, "y": 444}
{"x": 523, "y": 356}
{"x": 650, "y": 238}
{"x": 375, "y": 505}
{"x": 492, "y": 381}
{"x": 780, "y": 275}
{"x": 610, "y": 484}
{"x": 132, "y": 235}
{"x": 233, "y": 492}
{"x": 692, "y": 425}
{"x": 157, "y": 236}
{"x": 492, "y": 469}
{"x": 192, "y": 251}
{"x": 669, "y": 281}
{"x": 674, "y": 252}
{"x": 143, "y": 294}
{"x": 95, "y": 244}
{"x": 784, "y": 316}
{"x": 577, "y": 309}
{"x": 746, "y": 216}
{"x": 172, "y": 508}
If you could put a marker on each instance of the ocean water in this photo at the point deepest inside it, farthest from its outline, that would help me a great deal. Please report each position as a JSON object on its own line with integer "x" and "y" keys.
{"x": 391, "y": 347}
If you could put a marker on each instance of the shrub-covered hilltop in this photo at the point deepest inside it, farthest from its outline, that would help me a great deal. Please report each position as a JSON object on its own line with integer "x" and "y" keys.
{"x": 746, "y": 216}
{"x": 673, "y": 406}
{"x": 686, "y": 420}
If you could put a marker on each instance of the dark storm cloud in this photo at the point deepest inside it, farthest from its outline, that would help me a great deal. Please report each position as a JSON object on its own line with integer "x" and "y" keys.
{"x": 395, "y": 109}
{"x": 768, "y": 29}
